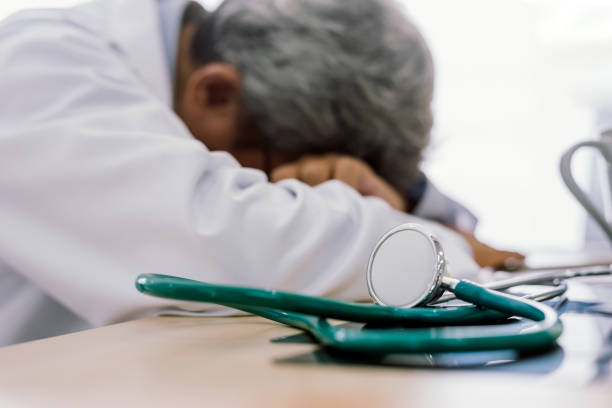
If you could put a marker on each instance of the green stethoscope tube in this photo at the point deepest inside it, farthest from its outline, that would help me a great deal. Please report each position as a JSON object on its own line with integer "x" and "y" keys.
{"x": 172, "y": 287}
{"x": 309, "y": 313}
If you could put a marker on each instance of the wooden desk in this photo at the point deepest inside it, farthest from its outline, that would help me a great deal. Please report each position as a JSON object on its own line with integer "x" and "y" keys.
{"x": 180, "y": 361}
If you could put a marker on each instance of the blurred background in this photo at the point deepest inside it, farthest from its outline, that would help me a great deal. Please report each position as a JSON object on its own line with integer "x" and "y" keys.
{"x": 512, "y": 93}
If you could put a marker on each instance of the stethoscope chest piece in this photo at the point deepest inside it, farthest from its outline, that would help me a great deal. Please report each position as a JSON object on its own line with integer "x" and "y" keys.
{"x": 406, "y": 268}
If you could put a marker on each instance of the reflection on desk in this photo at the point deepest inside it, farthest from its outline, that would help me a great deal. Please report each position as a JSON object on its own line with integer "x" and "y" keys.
{"x": 584, "y": 356}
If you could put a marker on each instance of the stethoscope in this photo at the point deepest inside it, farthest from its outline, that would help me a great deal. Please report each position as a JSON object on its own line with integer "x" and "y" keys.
{"x": 407, "y": 271}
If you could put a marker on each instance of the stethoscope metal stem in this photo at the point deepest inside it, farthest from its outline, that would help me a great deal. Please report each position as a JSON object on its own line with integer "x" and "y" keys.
{"x": 538, "y": 278}
{"x": 449, "y": 283}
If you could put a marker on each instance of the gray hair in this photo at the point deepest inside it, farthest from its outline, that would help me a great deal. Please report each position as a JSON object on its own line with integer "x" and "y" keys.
{"x": 352, "y": 77}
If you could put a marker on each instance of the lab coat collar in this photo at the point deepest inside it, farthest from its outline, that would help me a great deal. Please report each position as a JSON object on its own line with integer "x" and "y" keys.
{"x": 135, "y": 26}
{"x": 171, "y": 15}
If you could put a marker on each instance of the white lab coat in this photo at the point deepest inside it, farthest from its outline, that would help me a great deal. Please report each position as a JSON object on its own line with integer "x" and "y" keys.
{"x": 100, "y": 181}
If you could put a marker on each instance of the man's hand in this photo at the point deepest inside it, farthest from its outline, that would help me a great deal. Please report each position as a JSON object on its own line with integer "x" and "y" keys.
{"x": 314, "y": 170}
{"x": 485, "y": 256}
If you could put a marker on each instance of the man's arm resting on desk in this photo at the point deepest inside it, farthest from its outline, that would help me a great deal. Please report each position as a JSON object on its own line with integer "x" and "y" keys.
{"x": 422, "y": 199}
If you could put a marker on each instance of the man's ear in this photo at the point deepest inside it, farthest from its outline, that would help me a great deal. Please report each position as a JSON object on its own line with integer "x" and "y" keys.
{"x": 211, "y": 104}
{"x": 215, "y": 86}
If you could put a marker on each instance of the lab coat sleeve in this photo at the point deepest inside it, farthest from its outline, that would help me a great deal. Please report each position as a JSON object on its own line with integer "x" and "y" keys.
{"x": 101, "y": 182}
{"x": 435, "y": 205}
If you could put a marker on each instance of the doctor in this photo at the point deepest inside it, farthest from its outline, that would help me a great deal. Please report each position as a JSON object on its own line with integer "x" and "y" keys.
{"x": 133, "y": 135}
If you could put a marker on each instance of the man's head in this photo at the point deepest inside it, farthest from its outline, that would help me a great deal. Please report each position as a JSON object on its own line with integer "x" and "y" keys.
{"x": 308, "y": 77}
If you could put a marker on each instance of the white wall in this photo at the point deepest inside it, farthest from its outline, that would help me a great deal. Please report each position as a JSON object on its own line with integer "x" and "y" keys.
{"x": 502, "y": 121}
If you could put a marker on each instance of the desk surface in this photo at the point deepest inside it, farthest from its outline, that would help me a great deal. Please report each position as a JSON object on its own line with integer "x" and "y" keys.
{"x": 177, "y": 361}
